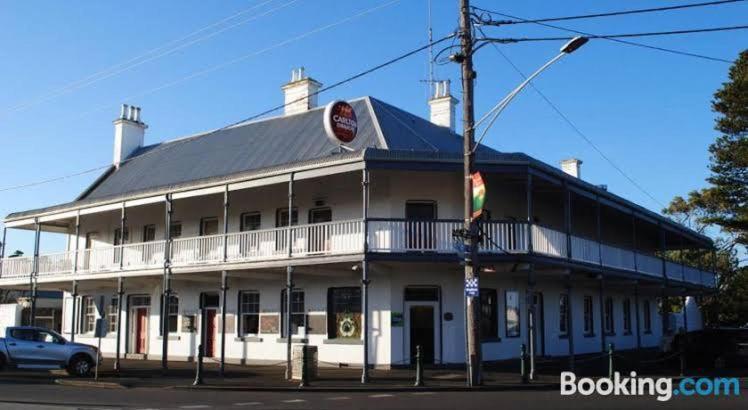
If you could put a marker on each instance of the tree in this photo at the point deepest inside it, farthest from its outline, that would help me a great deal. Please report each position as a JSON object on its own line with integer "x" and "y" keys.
{"x": 723, "y": 204}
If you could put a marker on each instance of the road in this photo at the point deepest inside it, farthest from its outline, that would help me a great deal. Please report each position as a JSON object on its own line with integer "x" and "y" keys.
{"x": 24, "y": 395}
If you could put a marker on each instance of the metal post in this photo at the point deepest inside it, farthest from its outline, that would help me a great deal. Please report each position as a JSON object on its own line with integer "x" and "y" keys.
{"x": 610, "y": 361}
{"x": 570, "y": 324}
{"x": 602, "y": 312}
{"x": 289, "y": 277}
{"x": 567, "y": 218}
{"x": 419, "y": 367}
{"x": 633, "y": 240}
{"x": 201, "y": 347}
{"x": 471, "y": 253}
{"x": 35, "y": 273}
{"x": 120, "y": 296}
{"x": 224, "y": 289}
{"x": 166, "y": 285}
{"x": 599, "y": 228}
{"x": 77, "y": 241}
{"x": 529, "y": 203}
{"x": 74, "y": 324}
{"x": 225, "y": 222}
{"x": 122, "y": 228}
{"x": 522, "y": 366}
{"x": 2, "y": 251}
{"x": 365, "y": 275}
{"x": 636, "y": 310}
{"x": 530, "y": 298}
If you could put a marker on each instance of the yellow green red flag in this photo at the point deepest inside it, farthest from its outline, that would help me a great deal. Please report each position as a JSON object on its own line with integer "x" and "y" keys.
{"x": 479, "y": 194}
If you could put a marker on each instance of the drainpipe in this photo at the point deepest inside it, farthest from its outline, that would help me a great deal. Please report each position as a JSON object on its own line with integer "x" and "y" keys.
{"x": 365, "y": 274}
{"x": 35, "y": 272}
{"x": 122, "y": 228}
{"x": 74, "y": 318}
{"x": 602, "y": 312}
{"x": 569, "y": 322}
{"x": 120, "y": 296}
{"x": 224, "y": 289}
{"x": 567, "y": 218}
{"x": 529, "y": 213}
{"x": 77, "y": 240}
{"x": 2, "y": 251}
{"x": 289, "y": 277}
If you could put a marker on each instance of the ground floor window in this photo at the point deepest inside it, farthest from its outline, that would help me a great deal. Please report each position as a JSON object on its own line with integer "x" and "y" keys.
{"x": 627, "y": 316}
{"x": 489, "y": 321}
{"x": 298, "y": 315}
{"x": 512, "y": 313}
{"x": 609, "y": 325}
{"x": 344, "y": 313}
{"x": 563, "y": 315}
{"x": 172, "y": 314}
{"x": 647, "y": 314}
{"x": 88, "y": 309}
{"x": 589, "y": 324}
{"x": 112, "y": 313}
{"x": 249, "y": 313}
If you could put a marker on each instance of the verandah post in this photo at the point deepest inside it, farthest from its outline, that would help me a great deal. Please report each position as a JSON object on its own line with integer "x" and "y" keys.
{"x": 365, "y": 276}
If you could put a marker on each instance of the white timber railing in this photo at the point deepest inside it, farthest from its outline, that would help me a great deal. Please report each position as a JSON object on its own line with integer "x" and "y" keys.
{"x": 347, "y": 237}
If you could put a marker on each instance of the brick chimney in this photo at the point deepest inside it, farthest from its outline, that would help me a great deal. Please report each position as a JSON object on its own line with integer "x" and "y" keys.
{"x": 300, "y": 93}
{"x": 129, "y": 133}
{"x": 442, "y": 105}
{"x": 572, "y": 166}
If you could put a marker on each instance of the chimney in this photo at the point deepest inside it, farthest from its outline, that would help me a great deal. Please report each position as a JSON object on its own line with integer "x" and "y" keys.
{"x": 572, "y": 166}
{"x": 443, "y": 105}
{"x": 129, "y": 131}
{"x": 300, "y": 93}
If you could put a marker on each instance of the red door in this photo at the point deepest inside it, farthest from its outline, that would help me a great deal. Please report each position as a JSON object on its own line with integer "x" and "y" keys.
{"x": 141, "y": 326}
{"x": 210, "y": 333}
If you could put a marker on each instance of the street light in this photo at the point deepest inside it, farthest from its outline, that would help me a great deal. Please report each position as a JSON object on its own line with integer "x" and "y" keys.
{"x": 568, "y": 48}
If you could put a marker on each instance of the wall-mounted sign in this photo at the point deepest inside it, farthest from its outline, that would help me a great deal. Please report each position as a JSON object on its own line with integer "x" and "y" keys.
{"x": 340, "y": 122}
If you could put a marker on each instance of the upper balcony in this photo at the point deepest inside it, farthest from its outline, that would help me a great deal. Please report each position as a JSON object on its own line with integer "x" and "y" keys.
{"x": 385, "y": 236}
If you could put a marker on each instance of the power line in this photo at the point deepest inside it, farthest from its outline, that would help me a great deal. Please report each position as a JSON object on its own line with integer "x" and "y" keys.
{"x": 253, "y": 117}
{"x": 627, "y": 42}
{"x": 626, "y": 35}
{"x": 577, "y": 130}
{"x": 150, "y": 55}
{"x": 610, "y": 14}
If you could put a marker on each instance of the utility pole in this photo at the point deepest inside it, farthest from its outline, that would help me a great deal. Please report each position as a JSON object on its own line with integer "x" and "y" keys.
{"x": 472, "y": 304}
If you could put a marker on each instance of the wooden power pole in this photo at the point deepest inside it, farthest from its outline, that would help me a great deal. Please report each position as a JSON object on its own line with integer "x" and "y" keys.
{"x": 472, "y": 315}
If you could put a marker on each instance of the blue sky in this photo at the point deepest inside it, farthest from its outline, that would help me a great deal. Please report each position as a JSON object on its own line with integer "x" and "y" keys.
{"x": 647, "y": 110}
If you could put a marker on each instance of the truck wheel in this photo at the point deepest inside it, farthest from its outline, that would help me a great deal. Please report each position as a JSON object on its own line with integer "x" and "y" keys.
{"x": 80, "y": 366}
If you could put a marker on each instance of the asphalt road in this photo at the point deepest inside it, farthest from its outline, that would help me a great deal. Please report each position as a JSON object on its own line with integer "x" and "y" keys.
{"x": 22, "y": 395}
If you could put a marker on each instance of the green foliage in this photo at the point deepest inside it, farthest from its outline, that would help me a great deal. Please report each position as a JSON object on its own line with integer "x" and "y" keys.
{"x": 724, "y": 203}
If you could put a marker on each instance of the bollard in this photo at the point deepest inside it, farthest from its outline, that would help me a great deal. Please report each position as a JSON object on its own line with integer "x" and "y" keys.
{"x": 199, "y": 370}
{"x": 419, "y": 367}
{"x": 304, "y": 368}
{"x": 610, "y": 361}
{"x": 522, "y": 368}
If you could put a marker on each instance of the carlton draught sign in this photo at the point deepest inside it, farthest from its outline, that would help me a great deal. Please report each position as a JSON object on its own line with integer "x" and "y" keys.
{"x": 340, "y": 122}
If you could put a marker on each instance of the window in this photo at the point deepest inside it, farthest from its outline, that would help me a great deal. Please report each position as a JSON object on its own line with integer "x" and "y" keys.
{"x": 22, "y": 334}
{"x": 421, "y": 235}
{"x": 208, "y": 226}
{"x": 172, "y": 315}
{"x": 149, "y": 233}
{"x": 344, "y": 313}
{"x": 320, "y": 215}
{"x": 489, "y": 326}
{"x": 44, "y": 336}
{"x": 281, "y": 217}
{"x": 112, "y": 314}
{"x": 118, "y": 236}
{"x": 89, "y": 314}
{"x": 589, "y": 324}
{"x": 175, "y": 230}
{"x": 647, "y": 317}
{"x": 249, "y": 313}
{"x": 298, "y": 316}
{"x": 563, "y": 315}
{"x": 250, "y": 221}
{"x": 512, "y": 313}
{"x": 319, "y": 238}
{"x": 627, "y": 316}
{"x": 609, "y": 324}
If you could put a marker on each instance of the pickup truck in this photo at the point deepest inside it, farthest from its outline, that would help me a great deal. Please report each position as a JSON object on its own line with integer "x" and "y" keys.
{"x": 36, "y": 347}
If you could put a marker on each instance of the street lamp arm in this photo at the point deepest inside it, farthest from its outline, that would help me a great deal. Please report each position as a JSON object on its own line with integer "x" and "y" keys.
{"x": 498, "y": 108}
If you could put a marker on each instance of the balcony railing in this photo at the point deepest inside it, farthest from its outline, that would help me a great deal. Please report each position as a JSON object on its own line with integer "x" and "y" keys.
{"x": 347, "y": 237}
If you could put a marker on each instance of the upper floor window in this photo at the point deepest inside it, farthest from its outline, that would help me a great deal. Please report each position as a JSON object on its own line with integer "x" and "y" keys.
{"x": 627, "y": 316}
{"x": 175, "y": 230}
{"x": 208, "y": 226}
{"x": 320, "y": 215}
{"x": 118, "y": 240}
{"x": 589, "y": 323}
{"x": 281, "y": 217}
{"x": 149, "y": 233}
{"x": 647, "y": 316}
{"x": 489, "y": 321}
{"x": 563, "y": 315}
{"x": 512, "y": 313}
{"x": 250, "y": 221}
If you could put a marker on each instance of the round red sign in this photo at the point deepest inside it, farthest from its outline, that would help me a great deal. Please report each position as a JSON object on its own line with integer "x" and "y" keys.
{"x": 340, "y": 122}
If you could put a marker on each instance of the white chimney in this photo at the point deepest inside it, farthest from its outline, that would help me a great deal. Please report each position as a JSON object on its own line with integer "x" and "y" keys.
{"x": 443, "y": 105}
{"x": 129, "y": 133}
{"x": 572, "y": 166}
{"x": 300, "y": 93}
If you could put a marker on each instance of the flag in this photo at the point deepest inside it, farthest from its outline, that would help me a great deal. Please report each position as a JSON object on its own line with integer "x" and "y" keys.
{"x": 479, "y": 194}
